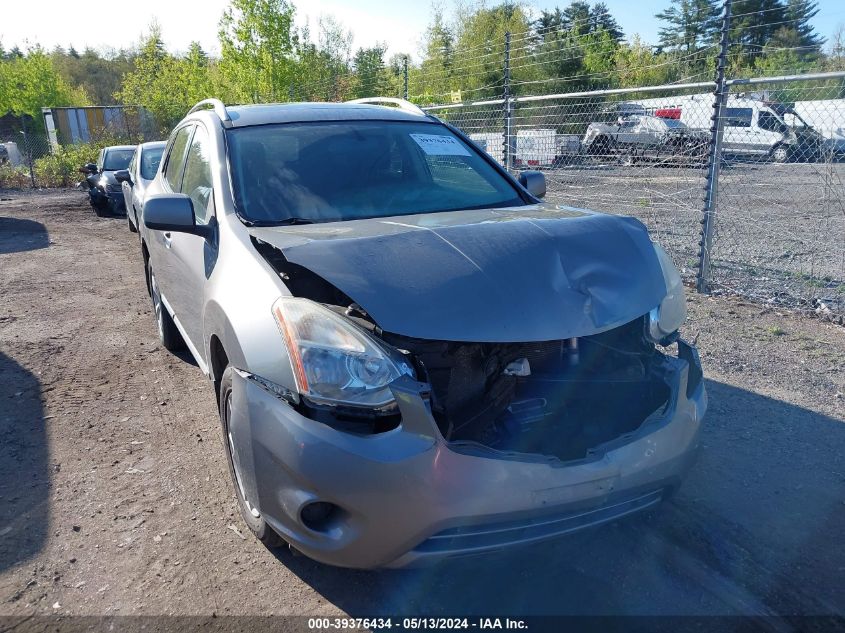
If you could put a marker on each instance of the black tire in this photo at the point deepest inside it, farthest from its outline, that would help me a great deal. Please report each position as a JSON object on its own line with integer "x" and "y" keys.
{"x": 169, "y": 336}
{"x": 101, "y": 210}
{"x": 256, "y": 524}
{"x": 780, "y": 154}
{"x": 132, "y": 228}
{"x": 601, "y": 146}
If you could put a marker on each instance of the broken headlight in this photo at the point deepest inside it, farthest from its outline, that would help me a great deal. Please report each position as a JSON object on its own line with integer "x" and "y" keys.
{"x": 334, "y": 361}
{"x": 665, "y": 320}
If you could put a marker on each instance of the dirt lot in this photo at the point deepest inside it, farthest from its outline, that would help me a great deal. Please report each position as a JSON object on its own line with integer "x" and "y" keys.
{"x": 115, "y": 498}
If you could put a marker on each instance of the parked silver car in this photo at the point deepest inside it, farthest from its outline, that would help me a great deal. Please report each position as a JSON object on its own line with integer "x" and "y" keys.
{"x": 135, "y": 179}
{"x": 414, "y": 356}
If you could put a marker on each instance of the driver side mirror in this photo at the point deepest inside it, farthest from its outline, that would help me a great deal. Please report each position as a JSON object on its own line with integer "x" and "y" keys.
{"x": 89, "y": 168}
{"x": 122, "y": 175}
{"x": 173, "y": 212}
{"x": 534, "y": 182}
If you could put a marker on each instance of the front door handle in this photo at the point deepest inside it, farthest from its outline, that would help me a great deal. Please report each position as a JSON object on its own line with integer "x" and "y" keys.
{"x": 168, "y": 241}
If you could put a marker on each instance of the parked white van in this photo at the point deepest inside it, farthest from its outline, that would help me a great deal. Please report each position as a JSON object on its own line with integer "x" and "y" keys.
{"x": 752, "y": 127}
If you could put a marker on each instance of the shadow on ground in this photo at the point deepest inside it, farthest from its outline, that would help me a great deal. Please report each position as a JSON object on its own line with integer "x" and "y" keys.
{"x": 17, "y": 235}
{"x": 24, "y": 467}
{"x": 755, "y": 530}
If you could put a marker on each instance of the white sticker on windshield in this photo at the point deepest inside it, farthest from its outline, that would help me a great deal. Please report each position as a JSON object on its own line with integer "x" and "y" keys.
{"x": 437, "y": 145}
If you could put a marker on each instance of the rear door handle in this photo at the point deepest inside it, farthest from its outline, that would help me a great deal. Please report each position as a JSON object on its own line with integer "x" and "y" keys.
{"x": 168, "y": 241}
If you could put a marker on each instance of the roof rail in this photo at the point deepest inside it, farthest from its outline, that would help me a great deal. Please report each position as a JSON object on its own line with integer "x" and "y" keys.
{"x": 402, "y": 104}
{"x": 217, "y": 106}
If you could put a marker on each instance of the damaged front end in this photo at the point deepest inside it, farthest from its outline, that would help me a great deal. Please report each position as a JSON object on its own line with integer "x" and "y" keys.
{"x": 570, "y": 408}
{"x": 560, "y": 398}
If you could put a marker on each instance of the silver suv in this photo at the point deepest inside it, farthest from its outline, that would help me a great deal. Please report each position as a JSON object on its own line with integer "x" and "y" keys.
{"x": 414, "y": 357}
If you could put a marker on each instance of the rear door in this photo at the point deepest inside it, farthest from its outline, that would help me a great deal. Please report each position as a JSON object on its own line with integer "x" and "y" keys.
{"x": 161, "y": 242}
{"x": 192, "y": 256}
{"x": 126, "y": 187}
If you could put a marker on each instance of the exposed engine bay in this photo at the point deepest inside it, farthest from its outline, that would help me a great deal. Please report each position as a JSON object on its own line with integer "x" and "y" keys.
{"x": 559, "y": 398}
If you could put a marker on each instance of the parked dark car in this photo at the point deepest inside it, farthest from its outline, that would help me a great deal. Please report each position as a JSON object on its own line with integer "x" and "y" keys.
{"x": 104, "y": 191}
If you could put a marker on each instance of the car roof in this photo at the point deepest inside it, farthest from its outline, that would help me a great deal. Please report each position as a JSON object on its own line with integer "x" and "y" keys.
{"x": 264, "y": 114}
{"x": 110, "y": 147}
{"x": 152, "y": 145}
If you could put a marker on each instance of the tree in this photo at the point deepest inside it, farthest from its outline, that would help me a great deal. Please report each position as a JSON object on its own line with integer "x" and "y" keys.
{"x": 369, "y": 70}
{"x": 323, "y": 66}
{"x": 576, "y": 18}
{"x": 602, "y": 20}
{"x": 30, "y": 82}
{"x": 690, "y": 25}
{"x": 435, "y": 73}
{"x": 258, "y": 42}
{"x": 163, "y": 84}
{"x": 799, "y": 14}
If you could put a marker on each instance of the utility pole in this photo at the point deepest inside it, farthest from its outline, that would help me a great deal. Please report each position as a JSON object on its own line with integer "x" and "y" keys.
{"x": 509, "y": 140}
{"x": 711, "y": 186}
{"x": 405, "y": 78}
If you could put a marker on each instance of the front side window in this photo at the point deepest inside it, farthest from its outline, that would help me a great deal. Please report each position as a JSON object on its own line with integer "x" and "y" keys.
{"x": 115, "y": 159}
{"x": 133, "y": 164}
{"x": 150, "y": 160}
{"x": 196, "y": 183}
{"x": 347, "y": 170}
{"x": 738, "y": 117}
{"x": 176, "y": 158}
{"x": 769, "y": 122}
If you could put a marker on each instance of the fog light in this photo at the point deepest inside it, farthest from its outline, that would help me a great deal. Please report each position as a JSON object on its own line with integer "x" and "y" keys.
{"x": 318, "y": 515}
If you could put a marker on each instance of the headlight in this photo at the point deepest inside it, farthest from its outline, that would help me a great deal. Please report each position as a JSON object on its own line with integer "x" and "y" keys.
{"x": 667, "y": 318}
{"x": 334, "y": 361}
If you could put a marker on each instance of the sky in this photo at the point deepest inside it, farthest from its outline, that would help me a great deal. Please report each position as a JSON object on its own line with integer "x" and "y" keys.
{"x": 398, "y": 23}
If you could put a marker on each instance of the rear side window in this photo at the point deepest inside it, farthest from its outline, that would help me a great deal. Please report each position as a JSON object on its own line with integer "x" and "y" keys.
{"x": 176, "y": 158}
{"x": 150, "y": 161}
{"x": 197, "y": 181}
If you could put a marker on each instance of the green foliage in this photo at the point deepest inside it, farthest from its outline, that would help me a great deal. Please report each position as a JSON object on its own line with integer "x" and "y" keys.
{"x": 29, "y": 82}
{"x": 370, "y": 78}
{"x": 165, "y": 85}
{"x": 264, "y": 57}
{"x": 13, "y": 177}
{"x": 61, "y": 168}
{"x": 258, "y": 43}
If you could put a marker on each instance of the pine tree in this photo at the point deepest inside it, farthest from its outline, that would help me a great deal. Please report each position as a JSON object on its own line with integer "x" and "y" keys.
{"x": 799, "y": 13}
{"x": 690, "y": 25}
{"x": 576, "y": 18}
{"x": 602, "y": 20}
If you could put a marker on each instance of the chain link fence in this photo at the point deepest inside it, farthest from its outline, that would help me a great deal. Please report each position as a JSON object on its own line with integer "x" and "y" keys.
{"x": 778, "y": 216}
{"x": 49, "y": 152}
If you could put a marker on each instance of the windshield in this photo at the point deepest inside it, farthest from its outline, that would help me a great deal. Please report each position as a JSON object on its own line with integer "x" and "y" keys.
{"x": 117, "y": 159}
{"x": 150, "y": 160}
{"x": 347, "y": 170}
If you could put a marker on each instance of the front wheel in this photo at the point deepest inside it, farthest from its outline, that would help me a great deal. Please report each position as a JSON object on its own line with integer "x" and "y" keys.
{"x": 251, "y": 516}
{"x": 780, "y": 154}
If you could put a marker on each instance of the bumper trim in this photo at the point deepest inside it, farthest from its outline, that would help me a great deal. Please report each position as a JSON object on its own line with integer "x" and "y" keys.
{"x": 477, "y": 538}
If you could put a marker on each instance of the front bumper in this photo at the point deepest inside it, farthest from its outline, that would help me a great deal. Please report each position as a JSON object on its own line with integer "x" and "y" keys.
{"x": 408, "y": 497}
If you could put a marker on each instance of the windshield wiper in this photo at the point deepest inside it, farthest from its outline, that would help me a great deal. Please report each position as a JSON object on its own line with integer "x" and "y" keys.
{"x": 292, "y": 221}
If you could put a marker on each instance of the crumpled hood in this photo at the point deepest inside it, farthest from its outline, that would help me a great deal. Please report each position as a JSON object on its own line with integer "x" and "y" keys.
{"x": 534, "y": 273}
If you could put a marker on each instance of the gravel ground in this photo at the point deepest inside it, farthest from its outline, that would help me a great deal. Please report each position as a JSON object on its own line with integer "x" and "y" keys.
{"x": 115, "y": 496}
